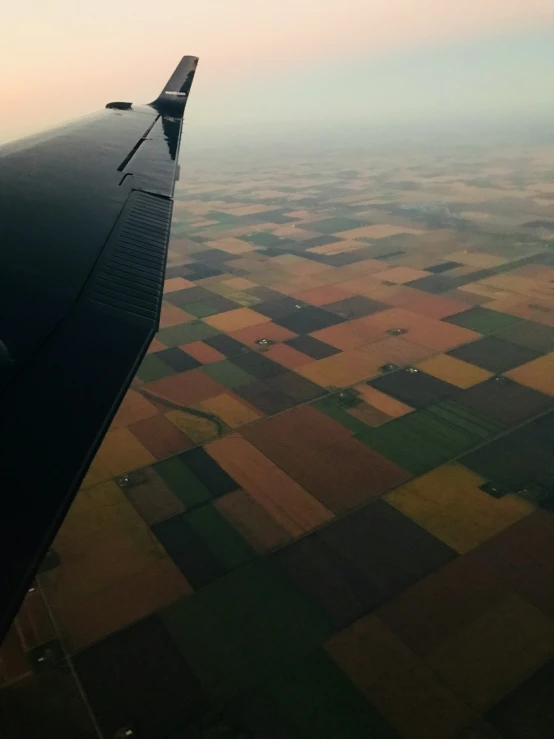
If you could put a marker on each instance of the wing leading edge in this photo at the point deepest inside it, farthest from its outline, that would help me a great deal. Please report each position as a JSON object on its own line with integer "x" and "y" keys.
{"x": 85, "y": 215}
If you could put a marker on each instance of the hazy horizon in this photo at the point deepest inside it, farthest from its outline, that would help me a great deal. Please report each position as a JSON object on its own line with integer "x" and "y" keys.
{"x": 346, "y": 64}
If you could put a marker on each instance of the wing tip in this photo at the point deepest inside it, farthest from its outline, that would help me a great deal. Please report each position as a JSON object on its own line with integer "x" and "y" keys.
{"x": 175, "y": 93}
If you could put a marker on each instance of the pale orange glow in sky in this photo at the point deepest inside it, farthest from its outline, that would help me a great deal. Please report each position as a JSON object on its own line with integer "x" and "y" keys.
{"x": 61, "y": 59}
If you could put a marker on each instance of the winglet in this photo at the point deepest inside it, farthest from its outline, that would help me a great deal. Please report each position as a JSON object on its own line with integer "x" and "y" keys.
{"x": 174, "y": 95}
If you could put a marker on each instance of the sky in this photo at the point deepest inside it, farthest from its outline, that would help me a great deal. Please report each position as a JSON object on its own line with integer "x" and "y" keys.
{"x": 266, "y": 63}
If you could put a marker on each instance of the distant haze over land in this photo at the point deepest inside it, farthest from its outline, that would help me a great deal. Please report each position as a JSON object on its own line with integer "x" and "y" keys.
{"x": 491, "y": 78}
{"x": 272, "y": 140}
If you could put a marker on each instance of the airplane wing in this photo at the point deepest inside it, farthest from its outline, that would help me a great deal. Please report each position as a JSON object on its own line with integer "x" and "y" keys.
{"x": 85, "y": 214}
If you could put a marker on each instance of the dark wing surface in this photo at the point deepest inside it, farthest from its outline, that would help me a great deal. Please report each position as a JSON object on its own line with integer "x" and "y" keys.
{"x": 85, "y": 213}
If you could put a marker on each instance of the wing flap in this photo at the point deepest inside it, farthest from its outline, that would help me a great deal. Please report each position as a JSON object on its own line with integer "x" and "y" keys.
{"x": 122, "y": 277}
